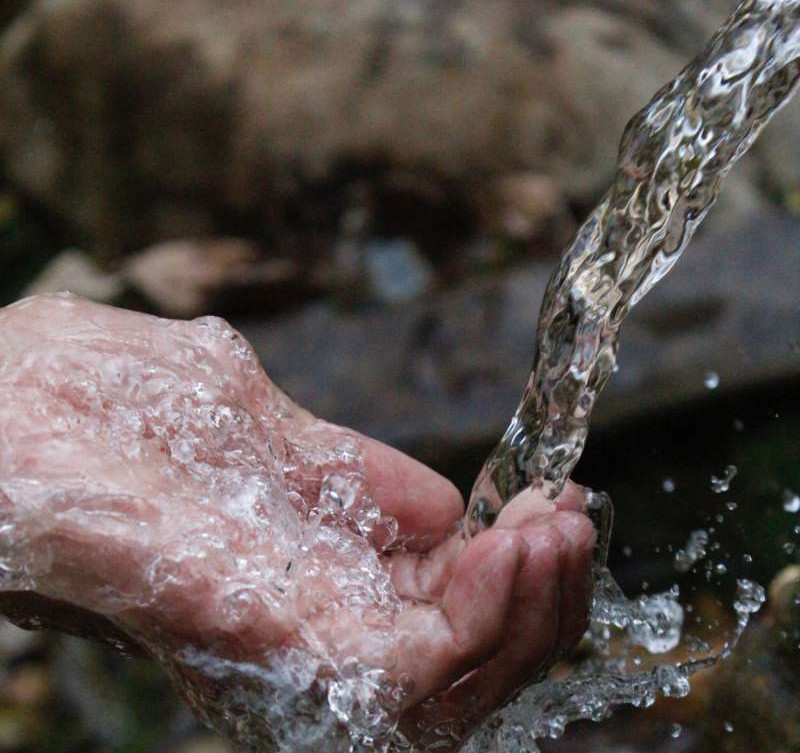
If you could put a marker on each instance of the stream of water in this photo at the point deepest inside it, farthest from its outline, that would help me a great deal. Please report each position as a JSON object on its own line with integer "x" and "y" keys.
{"x": 673, "y": 157}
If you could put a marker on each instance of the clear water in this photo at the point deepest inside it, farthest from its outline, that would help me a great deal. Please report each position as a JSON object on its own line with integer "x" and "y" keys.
{"x": 673, "y": 157}
{"x": 313, "y": 694}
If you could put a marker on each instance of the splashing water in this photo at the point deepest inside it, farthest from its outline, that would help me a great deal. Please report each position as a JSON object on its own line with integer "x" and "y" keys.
{"x": 312, "y": 698}
{"x": 673, "y": 157}
{"x": 694, "y": 551}
{"x": 721, "y": 484}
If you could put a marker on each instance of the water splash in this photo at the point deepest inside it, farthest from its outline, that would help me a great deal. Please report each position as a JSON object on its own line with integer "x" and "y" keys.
{"x": 672, "y": 159}
{"x": 693, "y": 552}
{"x": 720, "y": 484}
{"x": 791, "y": 501}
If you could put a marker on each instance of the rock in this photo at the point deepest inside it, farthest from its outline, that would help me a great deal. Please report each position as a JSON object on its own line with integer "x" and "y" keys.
{"x": 203, "y": 744}
{"x": 530, "y": 207}
{"x": 75, "y": 271}
{"x": 779, "y": 152}
{"x": 596, "y": 56}
{"x": 140, "y": 120}
{"x": 443, "y": 374}
{"x": 188, "y": 278}
{"x": 755, "y": 695}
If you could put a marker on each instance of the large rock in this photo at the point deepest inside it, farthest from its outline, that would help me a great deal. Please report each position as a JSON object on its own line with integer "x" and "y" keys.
{"x": 140, "y": 120}
{"x": 444, "y": 374}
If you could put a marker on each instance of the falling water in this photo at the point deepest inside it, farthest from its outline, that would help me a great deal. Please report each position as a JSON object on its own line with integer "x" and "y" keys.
{"x": 672, "y": 160}
{"x": 673, "y": 157}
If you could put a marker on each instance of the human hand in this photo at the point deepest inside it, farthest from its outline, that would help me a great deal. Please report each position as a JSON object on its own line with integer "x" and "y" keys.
{"x": 156, "y": 488}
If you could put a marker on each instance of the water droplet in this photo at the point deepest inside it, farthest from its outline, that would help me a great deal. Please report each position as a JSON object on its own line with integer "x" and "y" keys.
{"x": 791, "y": 501}
{"x": 727, "y": 726}
{"x": 720, "y": 568}
{"x": 668, "y": 485}
{"x": 750, "y": 596}
{"x": 711, "y": 380}
{"x": 675, "y": 731}
{"x": 720, "y": 484}
{"x": 694, "y": 550}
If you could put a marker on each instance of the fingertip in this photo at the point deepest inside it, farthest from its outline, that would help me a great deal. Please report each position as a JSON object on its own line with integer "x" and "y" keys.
{"x": 439, "y": 644}
{"x": 577, "y": 529}
{"x": 479, "y": 594}
{"x": 527, "y": 506}
{"x": 572, "y": 497}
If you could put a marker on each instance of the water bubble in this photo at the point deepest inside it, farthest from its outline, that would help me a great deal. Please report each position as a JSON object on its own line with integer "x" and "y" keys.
{"x": 728, "y": 727}
{"x": 720, "y": 484}
{"x": 791, "y": 501}
{"x": 338, "y": 492}
{"x": 668, "y": 485}
{"x": 711, "y": 380}
{"x": 720, "y": 568}
{"x": 675, "y": 731}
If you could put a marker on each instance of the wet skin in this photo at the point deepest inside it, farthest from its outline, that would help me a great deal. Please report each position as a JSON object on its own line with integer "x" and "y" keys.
{"x": 475, "y": 619}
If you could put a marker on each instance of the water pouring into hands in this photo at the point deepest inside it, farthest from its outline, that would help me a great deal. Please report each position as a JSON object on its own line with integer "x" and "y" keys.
{"x": 153, "y": 479}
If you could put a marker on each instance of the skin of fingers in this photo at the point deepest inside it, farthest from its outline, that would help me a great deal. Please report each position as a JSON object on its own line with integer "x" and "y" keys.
{"x": 531, "y": 503}
{"x": 424, "y": 577}
{"x": 425, "y": 505}
{"x": 559, "y": 557}
{"x": 564, "y": 513}
{"x": 529, "y": 641}
{"x": 581, "y": 536}
{"x": 437, "y": 644}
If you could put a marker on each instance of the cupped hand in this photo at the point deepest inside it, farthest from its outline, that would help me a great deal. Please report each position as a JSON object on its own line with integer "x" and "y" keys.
{"x": 158, "y": 490}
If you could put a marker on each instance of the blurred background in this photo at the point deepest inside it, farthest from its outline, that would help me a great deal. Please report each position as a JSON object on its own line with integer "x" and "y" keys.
{"x": 375, "y": 192}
